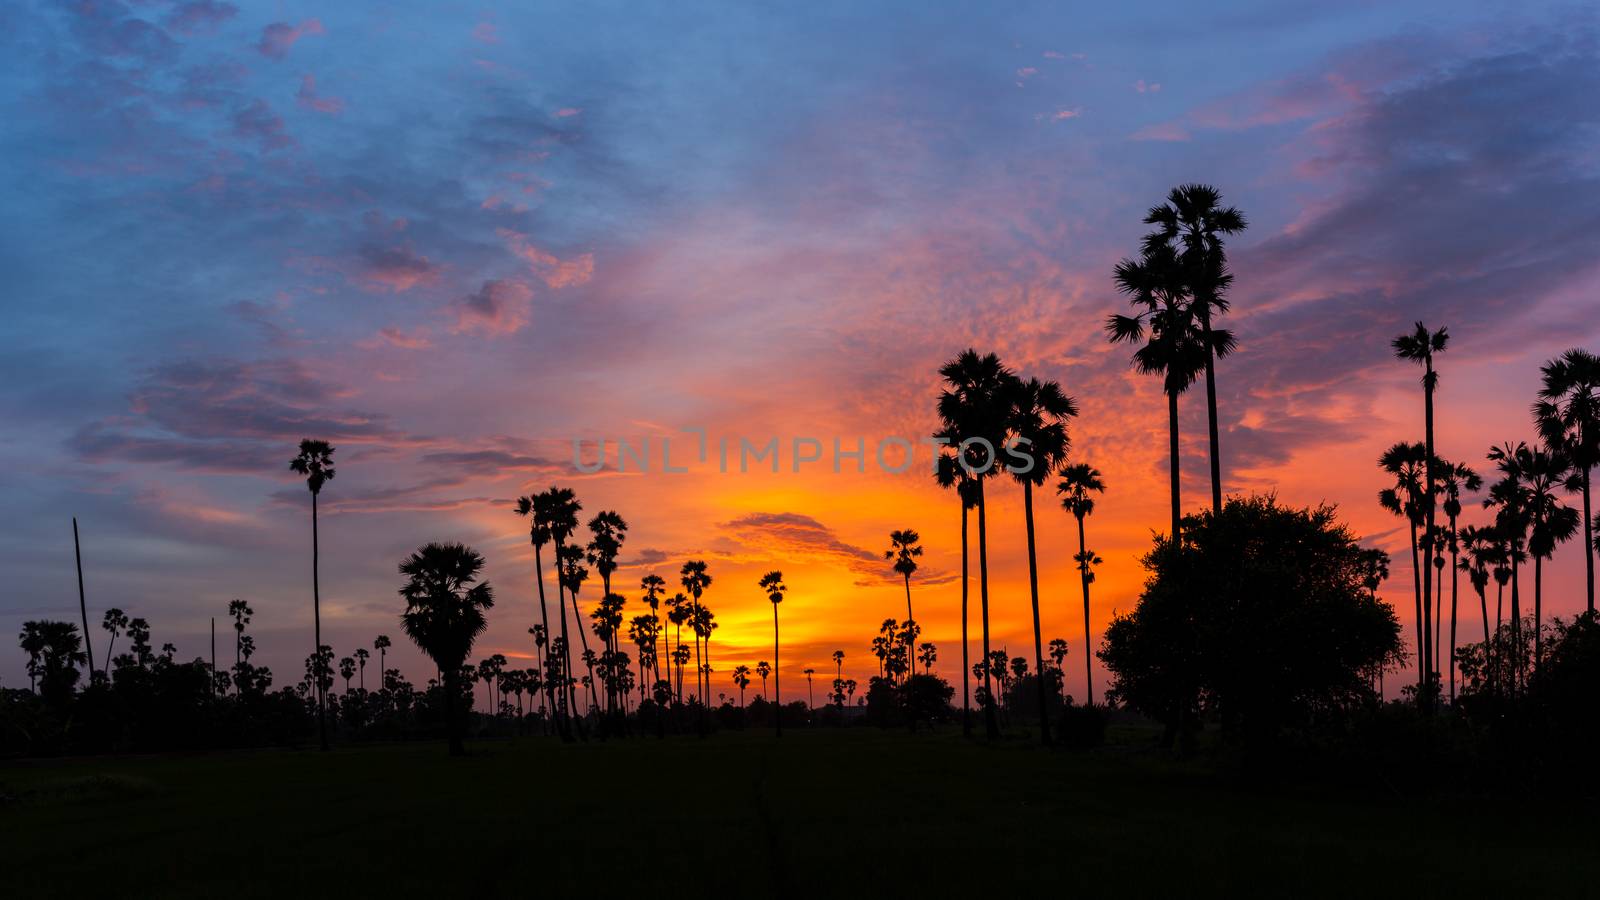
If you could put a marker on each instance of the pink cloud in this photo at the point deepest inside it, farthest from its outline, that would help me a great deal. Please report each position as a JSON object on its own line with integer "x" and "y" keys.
{"x": 310, "y": 99}
{"x": 394, "y": 337}
{"x": 497, "y": 308}
{"x": 1162, "y": 131}
{"x": 568, "y": 111}
{"x": 277, "y": 38}
{"x": 486, "y": 32}
{"x": 555, "y": 272}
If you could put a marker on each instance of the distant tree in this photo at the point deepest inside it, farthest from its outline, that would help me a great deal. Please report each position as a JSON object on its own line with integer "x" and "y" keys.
{"x": 361, "y": 666}
{"x": 1405, "y": 462}
{"x": 928, "y": 654}
{"x": 1568, "y": 416}
{"x": 763, "y": 669}
{"x": 904, "y": 548}
{"x": 347, "y": 671}
{"x": 1454, "y": 478}
{"x": 949, "y": 473}
{"x": 695, "y": 580}
{"x": 741, "y": 680}
{"x": 315, "y": 462}
{"x": 114, "y": 622}
{"x": 536, "y": 509}
{"x": 811, "y": 697}
{"x": 241, "y": 612}
{"x": 1420, "y": 346}
{"x": 445, "y": 606}
{"x": 1079, "y": 483}
{"x": 1257, "y": 587}
{"x": 55, "y": 650}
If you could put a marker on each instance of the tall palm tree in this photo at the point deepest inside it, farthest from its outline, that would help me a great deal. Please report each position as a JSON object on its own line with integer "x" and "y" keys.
{"x": 382, "y": 644}
{"x": 1194, "y": 217}
{"x": 772, "y": 583}
{"x": 362, "y": 656}
{"x": 1453, "y": 479}
{"x": 811, "y": 697}
{"x": 695, "y": 579}
{"x": 741, "y": 680}
{"x": 537, "y": 509}
{"x": 241, "y": 613}
{"x": 55, "y": 650}
{"x": 1509, "y": 498}
{"x": 1405, "y": 463}
{"x": 1479, "y": 551}
{"x": 904, "y": 550}
{"x": 1079, "y": 483}
{"x": 1419, "y": 346}
{"x": 1568, "y": 415}
{"x": 444, "y": 615}
{"x": 838, "y": 667}
{"x": 115, "y": 621}
{"x": 1176, "y": 348}
{"x": 1036, "y": 419}
{"x": 654, "y": 587}
{"x": 315, "y": 462}
{"x": 678, "y": 611}
{"x": 950, "y": 473}
{"x": 607, "y": 532}
{"x": 569, "y": 560}
{"x": 561, "y": 515}
{"x": 972, "y": 412}
{"x": 1551, "y": 523}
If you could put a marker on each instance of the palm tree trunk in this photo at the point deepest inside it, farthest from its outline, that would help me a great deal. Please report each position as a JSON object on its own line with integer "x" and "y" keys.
{"x": 1422, "y": 624}
{"x": 452, "y": 720}
{"x": 1438, "y": 620}
{"x": 966, "y": 668}
{"x": 1427, "y": 503}
{"x": 1088, "y": 641}
{"x": 83, "y": 606}
{"x": 1033, "y": 594}
{"x": 1538, "y": 612}
{"x": 1516, "y": 625}
{"x": 777, "y": 683}
{"x": 1211, "y": 411}
{"x": 1172, "y": 433}
{"x": 1455, "y": 581}
{"x": 316, "y": 612}
{"x": 1499, "y": 621}
{"x": 991, "y": 727}
{"x": 1588, "y": 539}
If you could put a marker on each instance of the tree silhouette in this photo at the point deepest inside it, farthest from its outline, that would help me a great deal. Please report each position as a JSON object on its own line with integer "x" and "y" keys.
{"x": 927, "y": 654}
{"x": 972, "y": 414}
{"x": 811, "y": 697}
{"x": 904, "y": 548}
{"x": 1174, "y": 346}
{"x": 55, "y": 650}
{"x": 382, "y": 644}
{"x": 115, "y": 621}
{"x": 741, "y": 680}
{"x": 695, "y": 580}
{"x": 1509, "y": 498}
{"x": 1550, "y": 523}
{"x": 1405, "y": 462}
{"x": 445, "y": 606}
{"x": 347, "y": 671}
{"x": 1453, "y": 479}
{"x": 949, "y": 473}
{"x": 1420, "y": 346}
{"x": 772, "y": 583}
{"x": 607, "y": 532}
{"x": 1194, "y": 219}
{"x": 679, "y": 608}
{"x": 838, "y": 675}
{"x": 1079, "y": 483}
{"x": 241, "y": 613}
{"x": 1568, "y": 416}
{"x": 537, "y": 509}
{"x": 361, "y": 655}
{"x": 654, "y": 587}
{"x": 1036, "y": 418}
{"x": 315, "y": 462}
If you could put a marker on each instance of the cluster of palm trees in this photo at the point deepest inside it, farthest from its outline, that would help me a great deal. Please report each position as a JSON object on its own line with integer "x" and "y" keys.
{"x": 1530, "y": 520}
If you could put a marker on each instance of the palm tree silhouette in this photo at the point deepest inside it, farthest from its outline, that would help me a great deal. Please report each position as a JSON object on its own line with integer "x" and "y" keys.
{"x": 972, "y": 412}
{"x": 1405, "y": 462}
{"x": 347, "y": 671}
{"x": 241, "y": 613}
{"x": 654, "y": 587}
{"x": 741, "y": 680}
{"x": 1453, "y": 479}
{"x": 904, "y": 550}
{"x": 1551, "y": 523}
{"x": 315, "y": 462}
{"x": 950, "y": 473}
{"x": 1509, "y": 498}
{"x": 1193, "y": 216}
{"x": 445, "y": 605}
{"x": 838, "y": 667}
{"x": 537, "y": 509}
{"x": 55, "y": 650}
{"x": 763, "y": 669}
{"x": 1420, "y": 346}
{"x": 1176, "y": 348}
{"x": 382, "y": 644}
{"x": 695, "y": 580}
{"x": 607, "y": 532}
{"x": 115, "y": 621}
{"x": 1036, "y": 418}
{"x": 678, "y": 610}
{"x": 1079, "y": 483}
{"x": 772, "y": 583}
{"x": 927, "y": 654}
{"x": 361, "y": 667}
{"x": 1479, "y": 551}
{"x": 1568, "y": 416}
{"x": 811, "y": 697}
{"x": 569, "y": 559}
{"x": 561, "y": 515}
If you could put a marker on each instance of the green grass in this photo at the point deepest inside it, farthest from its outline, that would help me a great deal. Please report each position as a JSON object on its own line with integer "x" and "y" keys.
{"x": 819, "y": 814}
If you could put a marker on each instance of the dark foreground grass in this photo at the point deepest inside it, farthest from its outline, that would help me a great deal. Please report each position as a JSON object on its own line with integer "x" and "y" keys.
{"x": 819, "y": 814}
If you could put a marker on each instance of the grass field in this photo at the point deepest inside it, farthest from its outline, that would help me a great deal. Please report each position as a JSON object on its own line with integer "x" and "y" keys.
{"x": 819, "y": 814}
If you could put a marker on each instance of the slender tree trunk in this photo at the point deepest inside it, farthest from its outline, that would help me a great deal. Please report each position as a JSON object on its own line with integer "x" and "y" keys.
{"x": 452, "y": 718}
{"x": 1455, "y": 581}
{"x": 1172, "y": 434}
{"x": 1211, "y": 411}
{"x": 1516, "y": 626}
{"x": 1088, "y": 639}
{"x": 991, "y": 727}
{"x": 213, "y": 655}
{"x": 1496, "y": 670}
{"x": 1438, "y": 618}
{"x": 1538, "y": 612}
{"x": 966, "y": 668}
{"x": 777, "y": 683}
{"x": 549, "y": 694}
{"x": 1038, "y": 639}
{"x": 1427, "y": 501}
{"x": 83, "y": 606}
{"x": 316, "y": 611}
{"x": 1422, "y": 623}
{"x": 1588, "y": 538}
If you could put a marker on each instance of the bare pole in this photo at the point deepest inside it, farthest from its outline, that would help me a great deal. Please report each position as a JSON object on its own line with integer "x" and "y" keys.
{"x": 83, "y": 607}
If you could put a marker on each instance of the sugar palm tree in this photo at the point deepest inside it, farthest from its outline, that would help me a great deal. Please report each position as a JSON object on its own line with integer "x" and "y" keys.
{"x": 1568, "y": 416}
{"x": 1478, "y": 557}
{"x": 115, "y": 621}
{"x": 1551, "y": 523}
{"x": 1193, "y": 218}
{"x": 972, "y": 412}
{"x": 1405, "y": 463}
{"x": 569, "y": 560}
{"x": 811, "y": 697}
{"x": 1079, "y": 483}
{"x": 741, "y": 680}
{"x": 949, "y": 473}
{"x": 537, "y": 509}
{"x": 382, "y": 644}
{"x": 654, "y": 587}
{"x": 772, "y": 583}
{"x": 1509, "y": 498}
{"x": 362, "y": 656}
{"x": 55, "y": 650}
{"x": 1453, "y": 479}
{"x": 347, "y": 671}
{"x": 1419, "y": 346}
{"x": 679, "y": 608}
{"x": 315, "y": 462}
{"x": 695, "y": 579}
{"x": 904, "y": 550}
{"x": 445, "y": 605}
{"x": 561, "y": 508}
{"x": 1036, "y": 419}
{"x": 1174, "y": 346}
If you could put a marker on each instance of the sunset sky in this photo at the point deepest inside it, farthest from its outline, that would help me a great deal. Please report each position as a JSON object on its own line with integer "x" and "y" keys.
{"x": 452, "y": 237}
